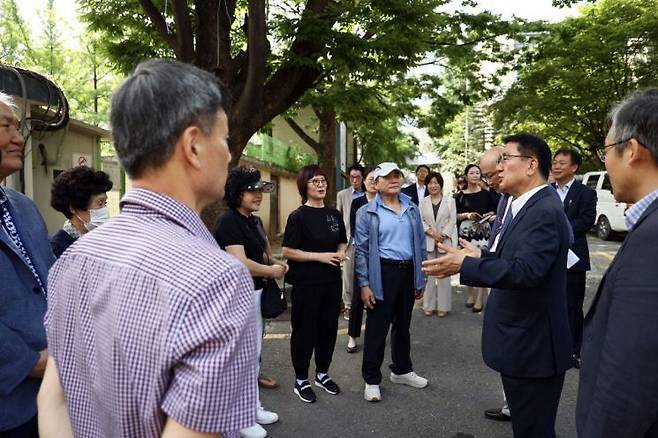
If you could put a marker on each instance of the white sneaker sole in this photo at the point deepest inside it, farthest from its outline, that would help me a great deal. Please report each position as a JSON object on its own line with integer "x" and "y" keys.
{"x": 372, "y": 399}
{"x": 302, "y": 398}
{"x": 320, "y": 385}
{"x": 402, "y": 381}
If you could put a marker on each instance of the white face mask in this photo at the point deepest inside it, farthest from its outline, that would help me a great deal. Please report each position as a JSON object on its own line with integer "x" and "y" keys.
{"x": 97, "y": 217}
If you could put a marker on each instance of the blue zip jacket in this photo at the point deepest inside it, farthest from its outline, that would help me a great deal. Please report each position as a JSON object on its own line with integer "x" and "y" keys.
{"x": 367, "y": 265}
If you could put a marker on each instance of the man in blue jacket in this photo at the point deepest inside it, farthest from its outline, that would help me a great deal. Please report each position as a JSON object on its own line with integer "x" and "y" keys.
{"x": 389, "y": 247}
{"x": 25, "y": 258}
{"x": 618, "y": 391}
{"x": 525, "y": 335}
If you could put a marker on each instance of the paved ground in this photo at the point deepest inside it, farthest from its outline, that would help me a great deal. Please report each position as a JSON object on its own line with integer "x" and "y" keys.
{"x": 446, "y": 351}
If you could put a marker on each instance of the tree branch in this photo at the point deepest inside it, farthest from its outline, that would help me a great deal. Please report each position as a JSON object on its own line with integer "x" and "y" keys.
{"x": 184, "y": 34}
{"x": 207, "y": 39}
{"x": 159, "y": 23}
{"x": 257, "y": 54}
{"x": 292, "y": 79}
{"x": 302, "y": 134}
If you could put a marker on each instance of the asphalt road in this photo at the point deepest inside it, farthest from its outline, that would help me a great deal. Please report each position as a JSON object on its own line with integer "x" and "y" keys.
{"x": 446, "y": 351}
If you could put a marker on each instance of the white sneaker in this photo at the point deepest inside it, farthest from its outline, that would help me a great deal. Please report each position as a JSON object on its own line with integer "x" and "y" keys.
{"x": 372, "y": 393}
{"x": 411, "y": 379}
{"x": 255, "y": 431}
{"x": 266, "y": 417}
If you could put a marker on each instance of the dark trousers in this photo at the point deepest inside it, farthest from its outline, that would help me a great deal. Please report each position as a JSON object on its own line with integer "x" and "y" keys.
{"x": 533, "y": 404}
{"x": 314, "y": 320}
{"x": 395, "y": 309}
{"x": 575, "y": 297}
{"x": 25, "y": 430}
{"x": 356, "y": 312}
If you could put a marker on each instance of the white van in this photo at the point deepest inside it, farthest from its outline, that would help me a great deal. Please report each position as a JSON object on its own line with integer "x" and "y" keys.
{"x": 610, "y": 214}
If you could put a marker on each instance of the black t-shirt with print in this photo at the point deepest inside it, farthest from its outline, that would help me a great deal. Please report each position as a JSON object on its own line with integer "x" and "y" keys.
{"x": 233, "y": 228}
{"x": 314, "y": 230}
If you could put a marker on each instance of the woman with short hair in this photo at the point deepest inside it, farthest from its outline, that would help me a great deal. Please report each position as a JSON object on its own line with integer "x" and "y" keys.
{"x": 80, "y": 194}
{"x": 314, "y": 242}
{"x": 240, "y": 233}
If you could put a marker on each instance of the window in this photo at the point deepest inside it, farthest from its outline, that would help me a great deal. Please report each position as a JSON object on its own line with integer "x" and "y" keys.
{"x": 606, "y": 183}
{"x": 592, "y": 181}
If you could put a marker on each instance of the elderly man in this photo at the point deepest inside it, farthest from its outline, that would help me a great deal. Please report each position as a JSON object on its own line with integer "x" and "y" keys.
{"x": 489, "y": 167}
{"x": 618, "y": 392}
{"x": 25, "y": 258}
{"x": 344, "y": 200}
{"x": 152, "y": 327}
{"x": 525, "y": 335}
{"x": 390, "y": 246}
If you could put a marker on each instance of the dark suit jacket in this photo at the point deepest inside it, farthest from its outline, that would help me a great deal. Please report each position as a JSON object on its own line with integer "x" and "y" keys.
{"x": 618, "y": 391}
{"x": 526, "y": 329}
{"x": 580, "y": 208}
{"x": 22, "y": 308}
{"x": 412, "y": 191}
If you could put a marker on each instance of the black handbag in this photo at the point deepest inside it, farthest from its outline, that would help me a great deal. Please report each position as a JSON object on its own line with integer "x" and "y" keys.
{"x": 272, "y": 302}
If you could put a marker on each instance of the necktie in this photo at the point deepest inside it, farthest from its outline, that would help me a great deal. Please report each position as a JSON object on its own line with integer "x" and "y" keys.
{"x": 506, "y": 222}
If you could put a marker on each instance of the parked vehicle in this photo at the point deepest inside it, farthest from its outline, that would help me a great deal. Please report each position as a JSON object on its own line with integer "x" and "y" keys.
{"x": 610, "y": 214}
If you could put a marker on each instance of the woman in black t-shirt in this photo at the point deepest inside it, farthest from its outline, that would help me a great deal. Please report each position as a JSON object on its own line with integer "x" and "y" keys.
{"x": 315, "y": 243}
{"x": 240, "y": 233}
{"x": 473, "y": 205}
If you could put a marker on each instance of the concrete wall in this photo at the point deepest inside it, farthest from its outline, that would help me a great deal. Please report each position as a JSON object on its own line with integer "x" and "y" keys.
{"x": 288, "y": 201}
{"x": 60, "y": 147}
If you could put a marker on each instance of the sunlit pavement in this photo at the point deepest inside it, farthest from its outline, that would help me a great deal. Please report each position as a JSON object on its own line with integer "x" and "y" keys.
{"x": 445, "y": 350}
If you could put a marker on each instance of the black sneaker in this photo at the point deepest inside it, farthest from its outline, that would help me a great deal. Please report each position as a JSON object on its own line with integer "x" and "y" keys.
{"x": 327, "y": 384}
{"x": 304, "y": 392}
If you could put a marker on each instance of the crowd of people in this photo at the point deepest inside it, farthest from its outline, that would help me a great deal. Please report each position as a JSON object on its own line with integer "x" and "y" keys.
{"x": 150, "y": 325}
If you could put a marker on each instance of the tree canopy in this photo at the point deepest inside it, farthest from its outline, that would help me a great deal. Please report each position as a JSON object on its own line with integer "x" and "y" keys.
{"x": 571, "y": 74}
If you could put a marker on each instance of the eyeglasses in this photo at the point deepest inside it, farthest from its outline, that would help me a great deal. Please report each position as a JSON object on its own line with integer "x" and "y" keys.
{"x": 505, "y": 157}
{"x": 604, "y": 150}
{"x": 318, "y": 182}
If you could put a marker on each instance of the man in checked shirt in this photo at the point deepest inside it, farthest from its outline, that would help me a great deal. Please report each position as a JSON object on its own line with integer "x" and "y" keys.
{"x": 151, "y": 327}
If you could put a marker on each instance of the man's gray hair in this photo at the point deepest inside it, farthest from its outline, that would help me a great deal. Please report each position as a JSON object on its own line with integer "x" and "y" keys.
{"x": 637, "y": 117}
{"x": 155, "y": 105}
{"x": 7, "y": 100}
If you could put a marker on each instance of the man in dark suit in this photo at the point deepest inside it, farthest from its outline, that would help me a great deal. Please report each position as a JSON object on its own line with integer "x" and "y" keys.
{"x": 580, "y": 207}
{"x": 618, "y": 392}
{"x": 25, "y": 258}
{"x": 525, "y": 334}
{"x": 418, "y": 190}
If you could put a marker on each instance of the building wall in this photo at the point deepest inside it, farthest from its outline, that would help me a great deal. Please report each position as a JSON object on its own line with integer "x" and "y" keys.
{"x": 288, "y": 201}
{"x": 61, "y": 147}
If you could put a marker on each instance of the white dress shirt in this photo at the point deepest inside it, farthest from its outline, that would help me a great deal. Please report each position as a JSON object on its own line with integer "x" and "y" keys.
{"x": 513, "y": 208}
{"x": 421, "y": 191}
{"x": 563, "y": 191}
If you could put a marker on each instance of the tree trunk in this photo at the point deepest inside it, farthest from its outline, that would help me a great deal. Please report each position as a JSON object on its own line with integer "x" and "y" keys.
{"x": 327, "y": 151}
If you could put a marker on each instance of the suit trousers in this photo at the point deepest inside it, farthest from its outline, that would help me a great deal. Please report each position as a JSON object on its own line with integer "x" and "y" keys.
{"x": 314, "y": 321}
{"x": 29, "y": 429}
{"x": 348, "y": 277}
{"x": 356, "y": 313}
{"x": 394, "y": 310}
{"x": 576, "y": 282}
{"x": 533, "y": 404}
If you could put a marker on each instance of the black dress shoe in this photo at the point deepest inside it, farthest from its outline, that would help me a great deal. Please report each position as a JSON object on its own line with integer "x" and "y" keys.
{"x": 476, "y": 309}
{"x": 352, "y": 350}
{"x": 497, "y": 415}
{"x": 469, "y": 305}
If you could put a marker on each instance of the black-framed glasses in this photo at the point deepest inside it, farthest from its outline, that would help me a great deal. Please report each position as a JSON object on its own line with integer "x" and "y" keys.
{"x": 604, "y": 150}
{"x": 505, "y": 157}
{"x": 318, "y": 182}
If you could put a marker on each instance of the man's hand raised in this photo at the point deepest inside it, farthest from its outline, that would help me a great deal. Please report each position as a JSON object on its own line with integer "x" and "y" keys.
{"x": 450, "y": 263}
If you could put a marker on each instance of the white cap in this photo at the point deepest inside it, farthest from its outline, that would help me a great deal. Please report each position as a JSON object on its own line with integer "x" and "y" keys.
{"x": 384, "y": 169}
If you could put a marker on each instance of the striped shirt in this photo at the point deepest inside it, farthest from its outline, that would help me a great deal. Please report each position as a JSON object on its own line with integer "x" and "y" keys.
{"x": 148, "y": 319}
{"x": 634, "y": 213}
